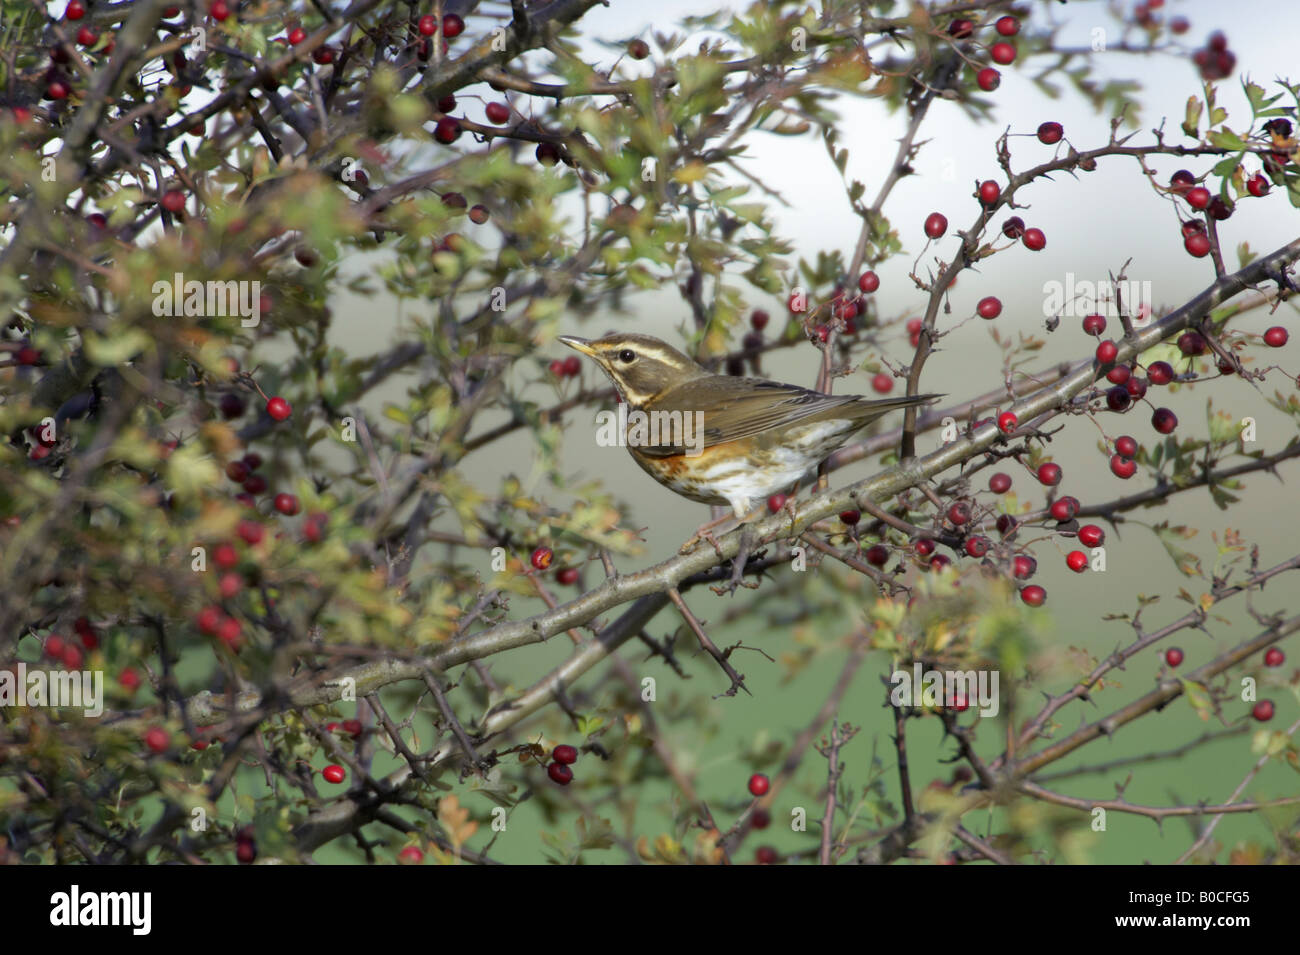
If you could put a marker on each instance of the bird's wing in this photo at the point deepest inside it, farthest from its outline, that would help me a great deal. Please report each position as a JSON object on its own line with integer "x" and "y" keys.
{"x": 736, "y": 408}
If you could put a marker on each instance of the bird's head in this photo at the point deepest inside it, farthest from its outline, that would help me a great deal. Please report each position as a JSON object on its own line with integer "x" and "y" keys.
{"x": 640, "y": 367}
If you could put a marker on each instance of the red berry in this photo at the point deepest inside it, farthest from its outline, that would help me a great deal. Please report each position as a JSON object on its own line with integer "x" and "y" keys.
{"x": 776, "y": 502}
{"x": 286, "y": 504}
{"x": 89, "y": 637}
{"x": 252, "y": 460}
{"x": 989, "y": 307}
{"x": 57, "y": 89}
{"x": 447, "y": 131}
{"x": 759, "y": 784}
{"x": 1049, "y": 474}
{"x": 498, "y": 113}
{"x": 1126, "y": 446}
{"x": 313, "y": 528}
{"x": 1003, "y": 52}
{"x": 1220, "y": 209}
{"x": 237, "y": 471}
{"x": 1263, "y": 711}
{"x": 850, "y": 517}
{"x": 452, "y": 26}
{"x": 1107, "y": 352}
{"x": 157, "y": 739}
{"x": 1007, "y": 422}
{"x": 566, "y": 576}
{"x": 1014, "y": 227}
{"x": 219, "y": 10}
{"x": 1136, "y": 387}
{"x": 1090, "y": 535}
{"x": 924, "y": 547}
{"x": 940, "y": 562}
{"x": 256, "y": 484}
{"x": 334, "y": 773}
{"x": 765, "y": 855}
{"x": 427, "y": 25}
{"x": 351, "y": 727}
{"x": 230, "y": 585}
{"x": 75, "y": 10}
{"x": 960, "y": 29}
{"x": 1050, "y": 133}
{"x": 324, "y": 55}
{"x": 1160, "y": 372}
{"x": 1181, "y": 182}
{"x": 989, "y": 192}
{"x": 1006, "y": 524}
{"x": 1122, "y": 467}
{"x": 572, "y": 366}
{"x": 1064, "y": 508}
{"x": 87, "y": 37}
{"x": 224, "y": 556}
{"x": 1257, "y": 185}
{"x": 297, "y": 35}
{"x": 1198, "y": 197}
{"x": 877, "y": 555}
{"x": 638, "y": 49}
{"x": 548, "y": 154}
{"x": 1192, "y": 343}
{"x": 246, "y": 851}
{"x": 411, "y": 855}
{"x": 1007, "y": 26}
{"x": 882, "y": 383}
{"x": 959, "y": 513}
{"x": 1033, "y": 595}
{"x": 566, "y": 754}
{"x": 560, "y": 773}
{"x": 977, "y": 546}
{"x": 542, "y": 557}
{"x": 988, "y": 79}
{"x": 1023, "y": 567}
{"x": 129, "y": 679}
{"x": 936, "y": 224}
{"x": 1034, "y": 240}
{"x": 1276, "y": 336}
{"x": 251, "y": 531}
{"x": 868, "y": 282}
{"x": 278, "y": 408}
{"x": 209, "y": 619}
{"x": 760, "y": 819}
{"x": 759, "y": 319}
{"x": 1179, "y": 25}
{"x": 1077, "y": 561}
{"x": 1274, "y": 657}
{"x": 54, "y": 646}
{"x": 229, "y": 633}
{"x": 446, "y": 103}
{"x": 1164, "y": 421}
{"x": 1000, "y": 483}
{"x": 1173, "y": 656}
{"x": 1197, "y": 245}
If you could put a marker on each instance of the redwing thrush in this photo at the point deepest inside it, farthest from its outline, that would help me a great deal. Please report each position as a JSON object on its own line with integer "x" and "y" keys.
{"x": 759, "y": 437}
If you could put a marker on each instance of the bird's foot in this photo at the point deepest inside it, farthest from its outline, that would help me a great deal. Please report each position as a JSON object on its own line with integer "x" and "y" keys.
{"x": 738, "y": 566}
{"x": 705, "y": 533}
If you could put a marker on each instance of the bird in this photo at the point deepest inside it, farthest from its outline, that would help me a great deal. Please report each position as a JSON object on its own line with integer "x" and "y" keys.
{"x": 756, "y": 437}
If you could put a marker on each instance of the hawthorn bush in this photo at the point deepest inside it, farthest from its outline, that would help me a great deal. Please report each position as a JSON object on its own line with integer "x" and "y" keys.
{"x": 322, "y": 632}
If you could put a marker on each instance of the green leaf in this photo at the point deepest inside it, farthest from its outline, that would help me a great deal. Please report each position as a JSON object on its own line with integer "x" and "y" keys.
{"x": 1226, "y": 139}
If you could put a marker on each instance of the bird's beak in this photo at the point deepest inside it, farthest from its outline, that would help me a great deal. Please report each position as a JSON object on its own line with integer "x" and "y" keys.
{"x": 579, "y": 344}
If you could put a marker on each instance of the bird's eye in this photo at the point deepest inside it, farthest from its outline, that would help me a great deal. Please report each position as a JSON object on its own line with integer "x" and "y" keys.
{"x": 627, "y": 356}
